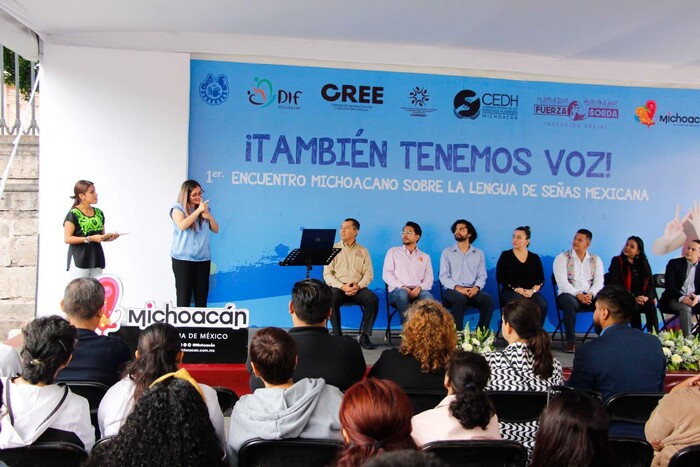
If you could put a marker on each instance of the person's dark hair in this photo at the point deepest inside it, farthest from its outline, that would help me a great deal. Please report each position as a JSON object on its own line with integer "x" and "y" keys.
{"x": 618, "y": 300}
{"x": 355, "y": 223}
{"x": 158, "y": 347}
{"x": 81, "y": 187}
{"x": 586, "y": 232}
{"x": 696, "y": 241}
{"x": 469, "y": 373}
{"x": 312, "y": 300}
{"x": 184, "y": 197}
{"x": 83, "y": 298}
{"x": 48, "y": 343}
{"x": 470, "y": 228}
{"x": 573, "y": 431}
{"x": 169, "y": 425}
{"x": 416, "y": 228}
{"x": 525, "y": 229}
{"x": 641, "y": 262}
{"x": 274, "y": 354}
{"x": 406, "y": 457}
{"x": 376, "y": 415}
{"x": 524, "y": 316}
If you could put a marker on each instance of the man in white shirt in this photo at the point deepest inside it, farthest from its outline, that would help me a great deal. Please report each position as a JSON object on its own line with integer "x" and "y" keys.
{"x": 579, "y": 277}
{"x": 407, "y": 271}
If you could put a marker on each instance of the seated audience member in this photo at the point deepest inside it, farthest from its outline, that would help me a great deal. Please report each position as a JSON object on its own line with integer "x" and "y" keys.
{"x": 158, "y": 353}
{"x": 675, "y": 423}
{"x": 96, "y": 358}
{"x": 376, "y": 417}
{"x": 526, "y": 364}
{"x": 579, "y": 277}
{"x": 36, "y": 407}
{"x": 466, "y": 412}
{"x": 520, "y": 272}
{"x": 169, "y": 427}
{"x": 429, "y": 339}
{"x": 10, "y": 364}
{"x": 622, "y": 359}
{"x": 631, "y": 270}
{"x": 573, "y": 432}
{"x": 283, "y": 408}
{"x": 407, "y": 271}
{"x": 682, "y": 293}
{"x": 336, "y": 359}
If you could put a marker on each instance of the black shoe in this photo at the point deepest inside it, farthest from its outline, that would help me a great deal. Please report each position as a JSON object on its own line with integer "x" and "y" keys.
{"x": 365, "y": 342}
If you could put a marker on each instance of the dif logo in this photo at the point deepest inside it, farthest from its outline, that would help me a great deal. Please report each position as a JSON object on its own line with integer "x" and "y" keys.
{"x": 349, "y": 93}
{"x": 263, "y": 94}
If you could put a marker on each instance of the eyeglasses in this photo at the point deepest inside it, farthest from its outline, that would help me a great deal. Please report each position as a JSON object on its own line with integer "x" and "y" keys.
{"x": 201, "y": 193}
{"x": 407, "y": 233}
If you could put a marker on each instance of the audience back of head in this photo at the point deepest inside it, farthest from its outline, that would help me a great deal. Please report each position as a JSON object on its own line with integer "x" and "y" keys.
{"x": 83, "y": 298}
{"x": 48, "y": 345}
{"x": 311, "y": 300}
{"x": 573, "y": 431}
{"x": 429, "y": 335}
{"x": 619, "y": 302}
{"x": 376, "y": 417}
{"x": 158, "y": 353}
{"x": 468, "y": 374}
{"x": 169, "y": 426}
{"x": 524, "y": 317}
{"x": 273, "y": 354}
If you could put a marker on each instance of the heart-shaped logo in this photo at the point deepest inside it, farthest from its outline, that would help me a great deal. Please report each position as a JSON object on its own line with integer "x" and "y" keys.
{"x": 111, "y": 315}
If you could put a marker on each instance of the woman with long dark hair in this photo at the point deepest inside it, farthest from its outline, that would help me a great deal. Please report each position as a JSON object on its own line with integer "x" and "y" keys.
{"x": 520, "y": 272}
{"x": 169, "y": 427}
{"x": 631, "y": 270}
{"x": 376, "y": 417}
{"x": 190, "y": 252}
{"x": 36, "y": 406}
{"x": 573, "y": 432}
{"x": 466, "y": 412}
{"x": 526, "y": 364}
{"x": 84, "y": 231}
{"x": 158, "y": 353}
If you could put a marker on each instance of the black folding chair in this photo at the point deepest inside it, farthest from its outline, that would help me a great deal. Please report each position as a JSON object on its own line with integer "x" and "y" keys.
{"x": 479, "y": 453}
{"x": 425, "y": 399}
{"x": 632, "y": 407}
{"x": 560, "y": 316}
{"x": 631, "y": 452}
{"x": 390, "y": 312}
{"x": 288, "y": 452}
{"x": 227, "y": 399}
{"x": 41, "y": 454}
{"x": 689, "y": 456}
{"x": 93, "y": 392}
{"x": 518, "y": 406}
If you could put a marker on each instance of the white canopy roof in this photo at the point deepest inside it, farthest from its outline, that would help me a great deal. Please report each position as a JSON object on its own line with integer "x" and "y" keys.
{"x": 623, "y": 41}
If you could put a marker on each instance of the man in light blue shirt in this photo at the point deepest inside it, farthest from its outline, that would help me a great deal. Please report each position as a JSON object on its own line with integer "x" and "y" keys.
{"x": 463, "y": 274}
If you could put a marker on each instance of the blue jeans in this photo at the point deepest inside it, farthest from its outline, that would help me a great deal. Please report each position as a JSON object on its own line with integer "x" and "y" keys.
{"x": 398, "y": 298}
{"x": 570, "y": 306}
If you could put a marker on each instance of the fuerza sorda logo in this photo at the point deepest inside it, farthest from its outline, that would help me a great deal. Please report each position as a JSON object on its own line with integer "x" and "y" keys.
{"x": 214, "y": 90}
{"x": 645, "y": 113}
{"x": 263, "y": 94}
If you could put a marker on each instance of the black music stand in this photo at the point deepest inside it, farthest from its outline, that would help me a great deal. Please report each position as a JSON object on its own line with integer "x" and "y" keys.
{"x": 316, "y": 249}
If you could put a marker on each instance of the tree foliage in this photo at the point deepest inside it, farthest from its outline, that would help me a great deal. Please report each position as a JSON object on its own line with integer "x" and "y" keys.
{"x": 25, "y": 85}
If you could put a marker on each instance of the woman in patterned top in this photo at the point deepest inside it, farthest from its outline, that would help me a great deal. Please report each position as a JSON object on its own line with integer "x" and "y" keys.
{"x": 84, "y": 231}
{"x": 526, "y": 364}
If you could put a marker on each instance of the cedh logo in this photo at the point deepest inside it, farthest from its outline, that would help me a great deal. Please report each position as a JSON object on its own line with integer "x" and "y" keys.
{"x": 262, "y": 93}
{"x": 645, "y": 113}
{"x": 214, "y": 90}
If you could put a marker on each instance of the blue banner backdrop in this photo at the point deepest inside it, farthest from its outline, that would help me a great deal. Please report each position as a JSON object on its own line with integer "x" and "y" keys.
{"x": 281, "y": 148}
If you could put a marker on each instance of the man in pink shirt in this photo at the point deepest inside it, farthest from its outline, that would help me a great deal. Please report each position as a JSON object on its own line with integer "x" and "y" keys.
{"x": 407, "y": 271}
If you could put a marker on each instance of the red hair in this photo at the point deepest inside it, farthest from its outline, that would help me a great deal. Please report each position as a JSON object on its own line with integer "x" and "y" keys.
{"x": 376, "y": 416}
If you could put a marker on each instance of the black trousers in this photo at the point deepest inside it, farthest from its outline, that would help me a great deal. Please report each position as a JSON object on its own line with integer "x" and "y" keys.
{"x": 191, "y": 278}
{"x": 364, "y": 297}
